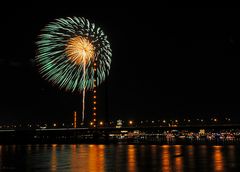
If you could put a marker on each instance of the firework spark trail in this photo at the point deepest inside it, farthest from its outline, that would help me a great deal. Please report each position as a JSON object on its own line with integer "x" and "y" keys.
{"x": 84, "y": 90}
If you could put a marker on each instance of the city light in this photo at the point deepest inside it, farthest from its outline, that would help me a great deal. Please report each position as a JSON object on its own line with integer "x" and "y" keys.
{"x": 228, "y": 119}
{"x": 122, "y": 123}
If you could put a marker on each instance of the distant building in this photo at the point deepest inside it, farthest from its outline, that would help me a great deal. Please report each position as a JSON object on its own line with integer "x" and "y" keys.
{"x": 119, "y": 123}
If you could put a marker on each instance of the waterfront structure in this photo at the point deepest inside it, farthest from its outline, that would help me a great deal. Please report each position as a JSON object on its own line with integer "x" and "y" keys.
{"x": 75, "y": 119}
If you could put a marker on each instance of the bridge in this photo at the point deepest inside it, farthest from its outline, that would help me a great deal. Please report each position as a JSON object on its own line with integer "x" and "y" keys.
{"x": 101, "y": 134}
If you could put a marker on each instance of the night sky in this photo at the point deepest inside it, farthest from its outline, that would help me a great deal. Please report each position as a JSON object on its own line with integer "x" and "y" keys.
{"x": 166, "y": 62}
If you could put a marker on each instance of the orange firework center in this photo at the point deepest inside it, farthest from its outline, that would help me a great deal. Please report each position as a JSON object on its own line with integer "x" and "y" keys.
{"x": 80, "y": 50}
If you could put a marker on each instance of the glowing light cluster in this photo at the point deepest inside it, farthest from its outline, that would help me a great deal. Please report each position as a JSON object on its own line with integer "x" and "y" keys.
{"x": 80, "y": 50}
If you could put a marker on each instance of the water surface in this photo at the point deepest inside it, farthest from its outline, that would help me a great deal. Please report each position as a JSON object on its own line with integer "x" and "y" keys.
{"x": 87, "y": 157}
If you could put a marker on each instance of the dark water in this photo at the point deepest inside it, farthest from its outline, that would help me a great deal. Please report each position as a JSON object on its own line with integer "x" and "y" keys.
{"x": 84, "y": 157}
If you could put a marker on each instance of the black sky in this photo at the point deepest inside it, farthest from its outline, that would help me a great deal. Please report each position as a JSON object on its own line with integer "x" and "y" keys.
{"x": 166, "y": 62}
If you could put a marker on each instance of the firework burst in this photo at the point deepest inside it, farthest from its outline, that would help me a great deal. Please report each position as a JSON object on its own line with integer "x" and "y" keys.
{"x": 67, "y": 46}
{"x": 73, "y": 54}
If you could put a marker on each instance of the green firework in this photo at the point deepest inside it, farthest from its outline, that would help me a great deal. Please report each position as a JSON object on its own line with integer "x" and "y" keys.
{"x": 56, "y": 67}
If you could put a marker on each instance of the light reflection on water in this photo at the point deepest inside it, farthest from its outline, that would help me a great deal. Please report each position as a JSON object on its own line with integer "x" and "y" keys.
{"x": 166, "y": 166}
{"x": 218, "y": 158}
{"x": 100, "y": 158}
{"x": 54, "y": 158}
{"x": 179, "y": 159}
{"x": 191, "y": 159}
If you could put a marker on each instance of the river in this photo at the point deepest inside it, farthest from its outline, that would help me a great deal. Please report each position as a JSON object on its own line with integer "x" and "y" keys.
{"x": 117, "y": 157}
